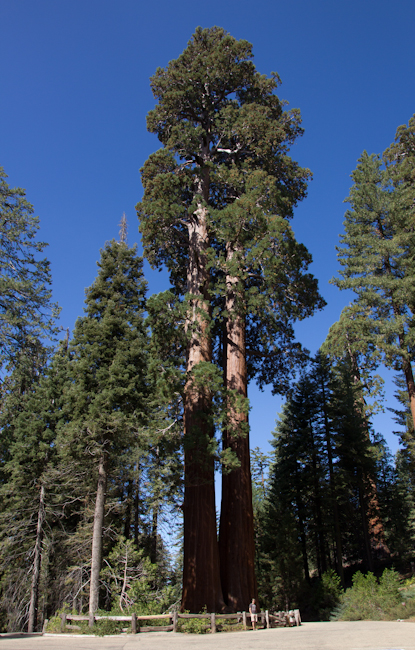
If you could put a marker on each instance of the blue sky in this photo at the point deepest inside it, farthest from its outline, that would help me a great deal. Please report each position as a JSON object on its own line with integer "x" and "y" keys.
{"x": 75, "y": 93}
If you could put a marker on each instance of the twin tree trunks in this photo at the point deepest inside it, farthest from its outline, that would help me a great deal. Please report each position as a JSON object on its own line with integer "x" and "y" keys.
{"x": 216, "y": 577}
{"x": 216, "y": 201}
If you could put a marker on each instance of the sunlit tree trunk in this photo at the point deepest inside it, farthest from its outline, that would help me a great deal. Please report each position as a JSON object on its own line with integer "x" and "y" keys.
{"x": 96, "y": 555}
{"x": 34, "y": 591}
{"x": 236, "y": 540}
{"x": 201, "y": 576}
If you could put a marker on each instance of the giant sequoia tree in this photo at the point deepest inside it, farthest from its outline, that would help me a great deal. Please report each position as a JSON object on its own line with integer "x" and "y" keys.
{"x": 214, "y": 211}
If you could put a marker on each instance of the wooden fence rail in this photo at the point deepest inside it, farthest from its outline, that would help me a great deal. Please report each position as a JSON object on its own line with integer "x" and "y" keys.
{"x": 292, "y": 617}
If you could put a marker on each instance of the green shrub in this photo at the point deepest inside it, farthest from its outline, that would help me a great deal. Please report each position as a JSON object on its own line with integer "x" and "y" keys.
{"x": 193, "y": 625}
{"x": 54, "y": 624}
{"x": 154, "y": 622}
{"x": 105, "y": 626}
{"x": 327, "y": 595}
{"x": 228, "y": 625}
{"x": 374, "y": 600}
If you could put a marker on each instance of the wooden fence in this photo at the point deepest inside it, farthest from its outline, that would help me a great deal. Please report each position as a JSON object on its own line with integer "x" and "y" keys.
{"x": 266, "y": 619}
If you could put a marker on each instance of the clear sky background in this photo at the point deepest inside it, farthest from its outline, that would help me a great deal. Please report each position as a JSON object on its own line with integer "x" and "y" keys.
{"x": 75, "y": 92}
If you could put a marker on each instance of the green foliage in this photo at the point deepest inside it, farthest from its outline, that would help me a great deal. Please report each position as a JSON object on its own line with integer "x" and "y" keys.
{"x": 260, "y": 463}
{"x": 27, "y": 422}
{"x": 150, "y": 600}
{"x": 26, "y": 312}
{"x": 373, "y": 599}
{"x": 193, "y": 625}
{"x": 106, "y": 399}
{"x": 398, "y": 498}
{"x": 94, "y": 396}
{"x": 228, "y": 625}
{"x": 327, "y": 594}
{"x": 231, "y": 136}
{"x": 105, "y": 627}
{"x": 125, "y": 571}
{"x": 135, "y": 584}
{"x": 28, "y": 467}
{"x": 217, "y": 200}
{"x": 323, "y": 452}
{"x": 378, "y": 262}
{"x": 54, "y": 624}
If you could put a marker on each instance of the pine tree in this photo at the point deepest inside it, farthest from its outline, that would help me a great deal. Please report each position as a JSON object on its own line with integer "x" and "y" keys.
{"x": 377, "y": 254}
{"x": 323, "y": 388}
{"x": 27, "y": 496}
{"x": 344, "y": 345}
{"x": 108, "y": 373}
{"x": 26, "y": 309}
{"x": 317, "y": 482}
{"x": 293, "y": 541}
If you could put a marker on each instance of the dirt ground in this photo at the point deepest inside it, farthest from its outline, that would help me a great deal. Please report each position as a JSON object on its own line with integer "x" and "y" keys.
{"x": 358, "y": 635}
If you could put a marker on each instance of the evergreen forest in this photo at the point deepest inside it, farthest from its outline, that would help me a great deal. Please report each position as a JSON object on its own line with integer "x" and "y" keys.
{"x": 111, "y": 435}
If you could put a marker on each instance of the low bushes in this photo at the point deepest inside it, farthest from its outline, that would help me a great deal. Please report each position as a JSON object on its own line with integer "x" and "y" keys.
{"x": 383, "y": 599}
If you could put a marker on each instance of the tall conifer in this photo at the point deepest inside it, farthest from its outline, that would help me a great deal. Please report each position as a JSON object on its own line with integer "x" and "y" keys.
{"x": 377, "y": 254}
{"x": 214, "y": 211}
{"x": 26, "y": 309}
{"x": 109, "y": 384}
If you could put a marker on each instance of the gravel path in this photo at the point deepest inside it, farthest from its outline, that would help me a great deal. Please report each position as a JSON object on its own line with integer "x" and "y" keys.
{"x": 358, "y": 635}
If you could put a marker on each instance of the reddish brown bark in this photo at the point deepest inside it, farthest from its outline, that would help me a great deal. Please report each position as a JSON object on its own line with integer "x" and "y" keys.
{"x": 410, "y": 384}
{"x": 201, "y": 577}
{"x": 236, "y": 538}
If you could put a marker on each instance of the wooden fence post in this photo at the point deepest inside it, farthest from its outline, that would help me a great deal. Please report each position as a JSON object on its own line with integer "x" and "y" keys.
{"x": 267, "y": 618}
{"x": 175, "y": 619}
{"x": 134, "y": 623}
{"x": 63, "y": 622}
{"x": 213, "y": 622}
{"x": 244, "y": 619}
